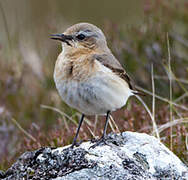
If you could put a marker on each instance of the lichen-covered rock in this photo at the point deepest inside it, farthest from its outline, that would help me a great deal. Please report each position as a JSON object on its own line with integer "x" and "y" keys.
{"x": 126, "y": 156}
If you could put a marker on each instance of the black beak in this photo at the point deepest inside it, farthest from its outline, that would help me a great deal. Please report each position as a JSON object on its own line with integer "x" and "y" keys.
{"x": 62, "y": 37}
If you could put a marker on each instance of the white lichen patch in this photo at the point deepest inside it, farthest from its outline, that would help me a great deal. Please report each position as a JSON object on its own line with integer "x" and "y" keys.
{"x": 146, "y": 153}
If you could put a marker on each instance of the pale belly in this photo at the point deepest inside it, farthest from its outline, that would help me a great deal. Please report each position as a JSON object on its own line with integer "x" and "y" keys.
{"x": 97, "y": 95}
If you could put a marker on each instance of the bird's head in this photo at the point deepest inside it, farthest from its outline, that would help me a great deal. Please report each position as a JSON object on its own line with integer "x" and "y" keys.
{"x": 82, "y": 36}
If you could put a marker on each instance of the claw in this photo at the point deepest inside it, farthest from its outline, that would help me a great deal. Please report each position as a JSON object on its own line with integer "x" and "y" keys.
{"x": 98, "y": 142}
{"x": 76, "y": 144}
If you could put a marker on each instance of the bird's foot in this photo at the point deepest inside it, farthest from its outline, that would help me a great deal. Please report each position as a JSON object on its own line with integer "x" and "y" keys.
{"x": 102, "y": 140}
{"x": 76, "y": 144}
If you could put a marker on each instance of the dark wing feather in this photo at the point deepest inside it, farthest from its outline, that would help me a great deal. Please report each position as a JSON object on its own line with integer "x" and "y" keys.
{"x": 112, "y": 63}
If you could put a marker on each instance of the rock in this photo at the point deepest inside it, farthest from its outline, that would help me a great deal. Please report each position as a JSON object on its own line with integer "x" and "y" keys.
{"x": 2, "y": 174}
{"x": 126, "y": 156}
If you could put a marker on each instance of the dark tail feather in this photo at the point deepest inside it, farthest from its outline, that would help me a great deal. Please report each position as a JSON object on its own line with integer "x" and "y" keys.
{"x": 138, "y": 93}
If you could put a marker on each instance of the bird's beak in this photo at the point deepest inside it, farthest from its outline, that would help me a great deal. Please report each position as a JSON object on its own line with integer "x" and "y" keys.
{"x": 62, "y": 37}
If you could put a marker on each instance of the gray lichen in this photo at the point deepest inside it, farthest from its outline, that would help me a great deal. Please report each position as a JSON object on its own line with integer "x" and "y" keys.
{"x": 126, "y": 156}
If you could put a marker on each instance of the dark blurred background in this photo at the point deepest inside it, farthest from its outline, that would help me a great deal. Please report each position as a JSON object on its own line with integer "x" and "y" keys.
{"x": 137, "y": 33}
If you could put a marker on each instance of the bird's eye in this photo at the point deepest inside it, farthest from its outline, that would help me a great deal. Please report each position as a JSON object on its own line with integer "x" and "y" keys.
{"x": 80, "y": 36}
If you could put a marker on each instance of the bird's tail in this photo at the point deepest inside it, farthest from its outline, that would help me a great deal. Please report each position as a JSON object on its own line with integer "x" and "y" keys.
{"x": 135, "y": 92}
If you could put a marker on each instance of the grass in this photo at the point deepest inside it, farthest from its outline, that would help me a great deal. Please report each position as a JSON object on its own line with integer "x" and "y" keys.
{"x": 170, "y": 90}
{"x": 33, "y": 115}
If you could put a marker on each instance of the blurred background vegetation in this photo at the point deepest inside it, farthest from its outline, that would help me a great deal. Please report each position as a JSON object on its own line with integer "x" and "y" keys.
{"x": 137, "y": 33}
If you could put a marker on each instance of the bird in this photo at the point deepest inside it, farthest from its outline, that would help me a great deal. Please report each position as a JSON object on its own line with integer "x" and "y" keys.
{"x": 87, "y": 75}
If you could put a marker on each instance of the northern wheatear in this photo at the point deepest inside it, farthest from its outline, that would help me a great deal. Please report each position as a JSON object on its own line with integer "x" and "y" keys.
{"x": 87, "y": 75}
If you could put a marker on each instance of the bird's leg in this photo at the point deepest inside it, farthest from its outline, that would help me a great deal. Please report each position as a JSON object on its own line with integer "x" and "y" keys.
{"x": 106, "y": 125}
{"x": 77, "y": 132}
{"x": 102, "y": 139}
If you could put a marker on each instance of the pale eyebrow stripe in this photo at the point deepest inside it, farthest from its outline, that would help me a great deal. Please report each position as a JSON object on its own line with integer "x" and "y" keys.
{"x": 88, "y": 32}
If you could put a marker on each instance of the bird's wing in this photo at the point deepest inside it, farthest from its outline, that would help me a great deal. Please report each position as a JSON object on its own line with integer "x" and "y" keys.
{"x": 112, "y": 63}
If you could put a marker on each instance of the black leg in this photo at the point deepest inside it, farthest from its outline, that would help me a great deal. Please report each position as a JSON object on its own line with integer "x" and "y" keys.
{"x": 102, "y": 139}
{"x": 106, "y": 124}
{"x": 77, "y": 132}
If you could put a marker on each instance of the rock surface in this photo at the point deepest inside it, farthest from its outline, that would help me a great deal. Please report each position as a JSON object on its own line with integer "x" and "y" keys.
{"x": 129, "y": 155}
